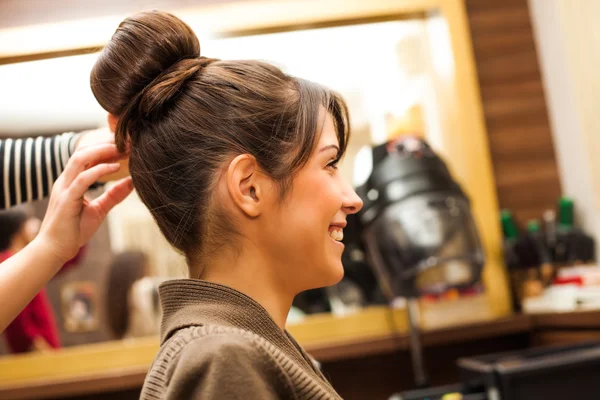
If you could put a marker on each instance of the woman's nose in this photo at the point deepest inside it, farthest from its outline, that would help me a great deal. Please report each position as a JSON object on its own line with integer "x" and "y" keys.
{"x": 352, "y": 202}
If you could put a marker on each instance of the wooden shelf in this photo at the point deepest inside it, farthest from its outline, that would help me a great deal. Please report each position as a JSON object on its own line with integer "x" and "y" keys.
{"x": 568, "y": 320}
{"x": 122, "y": 365}
{"x": 400, "y": 341}
{"x": 83, "y": 384}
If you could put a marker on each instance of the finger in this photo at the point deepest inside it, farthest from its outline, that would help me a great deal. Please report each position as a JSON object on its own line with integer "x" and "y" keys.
{"x": 113, "y": 196}
{"x": 121, "y": 173}
{"x": 85, "y": 179}
{"x": 99, "y": 141}
{"x": 95, "y": 136}
{"x": 84, "y": 158}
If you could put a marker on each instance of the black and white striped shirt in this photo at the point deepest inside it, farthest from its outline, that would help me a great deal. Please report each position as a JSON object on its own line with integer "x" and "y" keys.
{"x": 29, "y": 167}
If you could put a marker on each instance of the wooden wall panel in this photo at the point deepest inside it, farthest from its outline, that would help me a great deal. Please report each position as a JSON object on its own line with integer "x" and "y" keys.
{"x": 514, "y": 105}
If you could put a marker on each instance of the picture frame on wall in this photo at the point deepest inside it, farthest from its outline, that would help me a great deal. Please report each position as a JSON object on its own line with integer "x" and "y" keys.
{"x": 79, "y": 306}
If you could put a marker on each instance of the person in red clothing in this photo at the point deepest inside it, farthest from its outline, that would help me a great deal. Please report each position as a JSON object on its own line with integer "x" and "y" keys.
{"x": 34, "y": 329}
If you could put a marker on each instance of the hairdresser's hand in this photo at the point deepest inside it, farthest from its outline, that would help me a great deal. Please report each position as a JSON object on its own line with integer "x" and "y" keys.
{"x": 93, "y": 137}
{"x": 71, "y": 219}
{"x": 99, "y": 136}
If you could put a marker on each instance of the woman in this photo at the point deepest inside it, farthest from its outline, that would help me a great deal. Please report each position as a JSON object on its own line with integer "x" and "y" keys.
{"x": 132, "y": 298}
{"x": 237, "y": 163}
{"x": 35, "y": 328}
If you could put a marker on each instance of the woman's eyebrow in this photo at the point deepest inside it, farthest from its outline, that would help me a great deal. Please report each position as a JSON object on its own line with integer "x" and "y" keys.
{"x": 331, "y": 146}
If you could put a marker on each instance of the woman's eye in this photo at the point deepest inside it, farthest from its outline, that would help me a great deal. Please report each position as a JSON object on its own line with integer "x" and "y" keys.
{"x": 333, "y": 164}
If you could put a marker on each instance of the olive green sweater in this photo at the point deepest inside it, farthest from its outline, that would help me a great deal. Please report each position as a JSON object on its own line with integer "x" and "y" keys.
{"x": 217, "y": 343}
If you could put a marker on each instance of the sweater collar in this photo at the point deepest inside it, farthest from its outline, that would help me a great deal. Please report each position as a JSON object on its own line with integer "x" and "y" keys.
{"x": 193, "y": 302}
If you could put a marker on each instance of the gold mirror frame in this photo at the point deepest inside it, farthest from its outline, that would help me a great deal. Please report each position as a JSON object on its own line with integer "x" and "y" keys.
{"x": 464, "y": 142}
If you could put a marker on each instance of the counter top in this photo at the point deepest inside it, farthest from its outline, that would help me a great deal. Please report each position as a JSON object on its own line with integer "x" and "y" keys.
{"x": 400, "y": 341}
{"x": 570, "y": 320}
{"x": 123, "y": 364}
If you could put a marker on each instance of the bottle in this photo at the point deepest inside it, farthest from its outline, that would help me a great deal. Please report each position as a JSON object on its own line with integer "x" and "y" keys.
{"x": 516, "y": 273}
{"x": 573, "y": 246}
{"x": 550, "y": 232}
{"x": 509, "y": 228}
{"x": 511, "y": 234}
{"x": 564, "y": 228}
{"x": 565, "y": 213}
{"x": 527, "y": 248}
{"x": 544, "y": 259}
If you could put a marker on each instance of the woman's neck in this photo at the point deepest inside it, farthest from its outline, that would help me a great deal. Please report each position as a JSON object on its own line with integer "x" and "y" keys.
{"x": 252, "y": 274}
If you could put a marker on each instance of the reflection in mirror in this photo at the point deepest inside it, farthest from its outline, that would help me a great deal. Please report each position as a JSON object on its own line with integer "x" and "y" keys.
{"x": 381, "y": 69}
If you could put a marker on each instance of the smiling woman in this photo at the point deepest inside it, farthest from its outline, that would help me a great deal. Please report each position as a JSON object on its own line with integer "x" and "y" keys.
{"x": 322, "y": 46}
{"x": 251, "y": 200}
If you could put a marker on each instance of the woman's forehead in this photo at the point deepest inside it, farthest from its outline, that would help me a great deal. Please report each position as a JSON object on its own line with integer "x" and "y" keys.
{"x": 329, "y": 134}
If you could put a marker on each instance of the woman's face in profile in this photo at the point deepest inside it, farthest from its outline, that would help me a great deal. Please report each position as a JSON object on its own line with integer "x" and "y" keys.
{"x": 308, "y": 225}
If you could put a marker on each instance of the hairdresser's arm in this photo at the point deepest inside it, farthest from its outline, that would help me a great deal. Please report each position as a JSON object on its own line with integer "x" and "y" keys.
{"x": 70, "y": 221}
{"x": 29, "y": 166}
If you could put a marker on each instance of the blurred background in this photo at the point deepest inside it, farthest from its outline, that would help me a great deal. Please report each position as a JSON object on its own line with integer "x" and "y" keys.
{"x": 498, "y": 95}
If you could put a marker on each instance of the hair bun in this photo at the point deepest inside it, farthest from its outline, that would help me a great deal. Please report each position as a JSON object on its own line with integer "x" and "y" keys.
{"x": 143, "y": 47}
{"x": 166, "y": 86}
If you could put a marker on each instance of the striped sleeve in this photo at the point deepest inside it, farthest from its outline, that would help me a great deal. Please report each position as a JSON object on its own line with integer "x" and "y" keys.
{"x": 29, "y": 167}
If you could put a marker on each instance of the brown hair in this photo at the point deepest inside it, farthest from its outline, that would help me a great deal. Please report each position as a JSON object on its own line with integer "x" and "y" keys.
{"x": 187, "y": 115}
{"x": 11, "y": 223}
{"x": 125, "y": 269}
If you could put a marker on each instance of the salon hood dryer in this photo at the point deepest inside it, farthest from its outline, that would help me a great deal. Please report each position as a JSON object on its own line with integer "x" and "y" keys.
{"x": 416, "y": 228}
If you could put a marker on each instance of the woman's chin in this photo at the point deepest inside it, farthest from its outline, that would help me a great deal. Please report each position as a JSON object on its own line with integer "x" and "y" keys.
{"x": 327, "y": 274}
{"x": 335, "y": 273}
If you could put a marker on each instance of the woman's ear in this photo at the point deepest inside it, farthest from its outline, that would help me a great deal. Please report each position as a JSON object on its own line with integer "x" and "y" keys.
{"x": 246, "y": 185}
{"x": 112, "y": 122}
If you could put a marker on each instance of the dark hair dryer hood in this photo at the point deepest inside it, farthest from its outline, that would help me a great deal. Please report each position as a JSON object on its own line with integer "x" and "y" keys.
{"x": 416, "y": 223}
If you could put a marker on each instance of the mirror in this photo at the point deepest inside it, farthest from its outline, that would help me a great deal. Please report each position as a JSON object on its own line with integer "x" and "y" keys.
{"x": 388, "y": 72}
